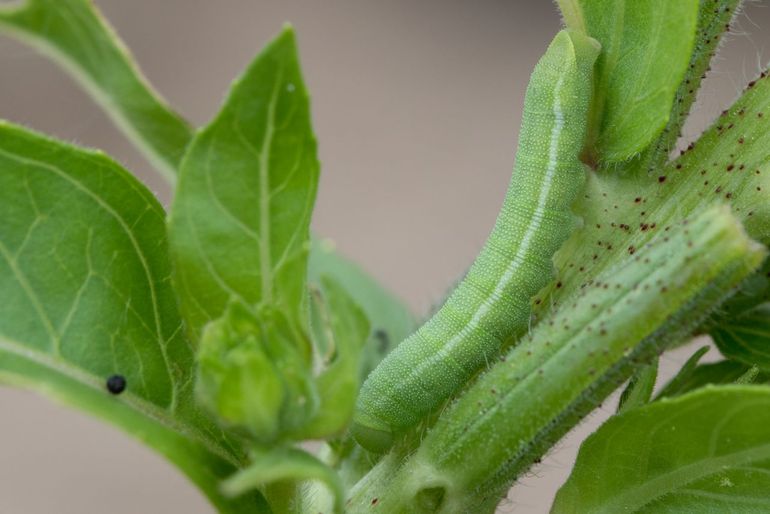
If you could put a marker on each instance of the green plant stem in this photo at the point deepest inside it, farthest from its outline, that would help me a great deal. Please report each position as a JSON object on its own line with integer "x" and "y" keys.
{"x": 622, "y": 212}
{"x": 571, "y": 362}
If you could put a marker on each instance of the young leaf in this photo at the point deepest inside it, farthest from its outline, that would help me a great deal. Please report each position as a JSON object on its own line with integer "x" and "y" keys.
{"x": 76, "y": 36}
{"x": 240, "y": 217}
{"x": 714, "y": 18}
{"x": 746, "y": 339}
{"x": 284, "y": 464}
{"x": 639, "y": 389}
{"x": 86, "y": 296}
{"x": 253, "y": 375}
{"x": 646, "y": 47}
{"x": 708, "y": 451}
{"x": 722, "y": 372}
{"x": 684, "y": 374}
{"x": 754, "y": 291}
{"x": 344, "y": 329}
{"x": 390, "y": 320}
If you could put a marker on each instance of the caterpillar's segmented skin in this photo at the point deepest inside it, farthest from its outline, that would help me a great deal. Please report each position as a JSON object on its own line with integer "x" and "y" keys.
{"x": 492, "y": 303}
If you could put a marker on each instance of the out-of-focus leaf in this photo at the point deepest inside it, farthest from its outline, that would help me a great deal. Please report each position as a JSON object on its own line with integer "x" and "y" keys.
{"x": 716, "y": 373}
{"x": 343, "y": 328}
{"x": 284, "y": 464}
{"x": 746, "y": 338}
{"x": 390, "y": 320}
{"x": 76, "y": 36}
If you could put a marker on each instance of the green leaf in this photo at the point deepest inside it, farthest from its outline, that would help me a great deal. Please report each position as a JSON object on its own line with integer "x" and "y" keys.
{"x": 722, "y": 372}
{"x": 750, "y": 377}
{"x": 76, "y": 36}
{"x": 684, "y": 374}
{"x": 343, "y": 328}
{"x": 86, "y": 295}
{"x": 753, "y": 292}
{"x": 746, "y": 338}
{"x": 281, "y": 464}
{"x": 708, "y": 451}
{"x": 240, "y": 218}
{"x": 646, "y": 48}
{"x": 390, "y": 320}
{"x": 714, "y": 18}
{"x": 106, "y": 70}
{"x": 639, "y": 389}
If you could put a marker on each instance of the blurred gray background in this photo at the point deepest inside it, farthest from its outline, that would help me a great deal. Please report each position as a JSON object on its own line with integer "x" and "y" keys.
{"x": 416, "y": 106}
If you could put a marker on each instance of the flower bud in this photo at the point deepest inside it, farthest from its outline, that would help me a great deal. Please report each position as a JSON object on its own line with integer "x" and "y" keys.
{"x": 251, "y": 374}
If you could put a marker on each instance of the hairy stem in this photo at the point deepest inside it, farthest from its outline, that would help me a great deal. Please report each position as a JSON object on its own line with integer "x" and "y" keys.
{"x": 572, "y": 360}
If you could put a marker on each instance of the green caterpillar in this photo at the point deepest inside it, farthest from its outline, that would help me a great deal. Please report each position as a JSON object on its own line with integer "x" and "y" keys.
{"x": 492, "y": 303}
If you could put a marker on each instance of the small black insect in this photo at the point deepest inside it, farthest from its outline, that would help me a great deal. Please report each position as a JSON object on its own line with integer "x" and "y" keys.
{"x": 116, "y": 384}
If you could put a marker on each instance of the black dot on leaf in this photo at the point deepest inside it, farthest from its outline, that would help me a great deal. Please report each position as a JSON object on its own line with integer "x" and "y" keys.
{"x": 116, "y": 384}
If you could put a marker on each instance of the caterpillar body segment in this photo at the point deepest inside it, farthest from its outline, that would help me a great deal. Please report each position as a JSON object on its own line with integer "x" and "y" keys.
{"x": 492, "y": 303}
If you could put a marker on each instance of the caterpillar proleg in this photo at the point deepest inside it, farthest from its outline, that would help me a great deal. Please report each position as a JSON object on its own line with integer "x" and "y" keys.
{"x": 492, "y": 302}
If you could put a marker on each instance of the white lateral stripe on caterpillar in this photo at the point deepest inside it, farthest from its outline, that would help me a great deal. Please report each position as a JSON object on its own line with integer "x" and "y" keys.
{"x": 523, "y": 250}
{"x": 492, "y": 303}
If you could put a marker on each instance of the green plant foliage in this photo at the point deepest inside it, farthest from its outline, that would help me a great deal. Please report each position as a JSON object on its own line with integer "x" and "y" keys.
{"x": 81, "y": 40}
{"x": 646, "y": 47}
{"x": 684, "y": 374}
{"x": 252, "y": 375}
{"x": 106, "y": 70}
{"x": 707, "y": 451}
{"x": 225, "y": 337}
{"x": 239, "y": 224}
{"x": 623, "y": 211}
{"x": 714, "y": 19}
{"x": 639, "y": 389}
{"x": 83, "y": 302}
{"x": 746, "y": 338}
{"x": 344, "y": 329}
{"x": 752, "y": 293}
{"x": 716, "y": 373}
{"x": 285, "y": 464}
{"x": 390, "y": 321}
